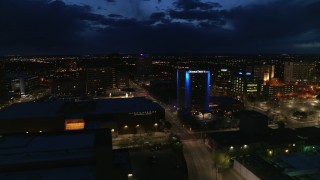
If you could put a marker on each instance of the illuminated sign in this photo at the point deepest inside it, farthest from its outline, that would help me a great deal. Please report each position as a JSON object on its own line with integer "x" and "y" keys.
{"x": 144, "y": 113}
{"x": 224, "y": 70}
{"x": 248, "y": 73}
{"x": 198, "y": 71}
{"x": 240, "y": 72}
{"x": 74, "y": 124}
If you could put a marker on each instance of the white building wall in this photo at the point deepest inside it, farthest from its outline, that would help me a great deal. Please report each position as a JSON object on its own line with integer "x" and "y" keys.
{"x": 243, "y": 171}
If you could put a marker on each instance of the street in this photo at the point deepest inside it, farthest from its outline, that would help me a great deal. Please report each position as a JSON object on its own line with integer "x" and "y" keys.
{"x": 197, "y": 155}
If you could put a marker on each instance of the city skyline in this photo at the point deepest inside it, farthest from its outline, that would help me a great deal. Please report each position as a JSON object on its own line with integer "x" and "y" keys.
{"x": 159, "y": 26}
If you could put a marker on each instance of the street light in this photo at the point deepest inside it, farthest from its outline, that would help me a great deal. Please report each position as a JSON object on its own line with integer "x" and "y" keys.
{"x": 155, "y": 126}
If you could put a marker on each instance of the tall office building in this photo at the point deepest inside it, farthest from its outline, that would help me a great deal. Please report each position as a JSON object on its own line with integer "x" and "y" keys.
{"x": 221, "y": 82}
{"x": 298, "y": 71}
{"x": 144, "y": 66}
{"x": 245, "y": 85}
{"x": 263, "y": 72}
{"x": 99, "y": 80}
{"x": 193, "y": 89}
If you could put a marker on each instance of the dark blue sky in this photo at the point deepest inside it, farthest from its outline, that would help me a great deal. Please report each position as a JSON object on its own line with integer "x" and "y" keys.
{"x": 159, "y": 26}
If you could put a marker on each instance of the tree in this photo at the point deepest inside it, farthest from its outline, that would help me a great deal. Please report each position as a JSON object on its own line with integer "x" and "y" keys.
{"x": 221, "y": 160}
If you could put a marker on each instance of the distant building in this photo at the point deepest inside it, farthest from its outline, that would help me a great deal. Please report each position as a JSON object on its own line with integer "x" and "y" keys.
{"x": 276, "y": 89}
{"x": 221, "y": 82}
{"x": 22, "y": 84}
{"x": 263, "y": 72}
{"x": 122, "y": 116}
{"x": 244, "y": 85}
{"x": 71, "y": 84}
{"x": 99, "y": 80}
{"x": 193, "y": 89}
{"x": 60, "y": 155}
{"x": 3, "y": 89}
{"x": 144, "y": 66}
{"x": 298, "y": 71}
{"x": 122, "y": 80}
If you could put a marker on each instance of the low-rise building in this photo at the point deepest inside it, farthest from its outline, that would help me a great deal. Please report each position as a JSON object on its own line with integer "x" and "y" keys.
{"x": 85, "y": 154}
{"x": 121, "y": 115}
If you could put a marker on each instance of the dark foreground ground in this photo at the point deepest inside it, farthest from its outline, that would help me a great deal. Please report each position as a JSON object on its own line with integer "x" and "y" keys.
{"x": 161, "y": 164}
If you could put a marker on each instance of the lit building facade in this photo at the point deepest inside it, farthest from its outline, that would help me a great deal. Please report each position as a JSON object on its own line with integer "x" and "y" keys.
{"x": 276, "y": 89}
{"x": 221, "y": 82}
{"x": 263, "y": 72}
{"x": 193, "y": 89}
{"x": 22, "y": 84}
{"x": 245, "y": 85}
{"x": 298, "y": 71}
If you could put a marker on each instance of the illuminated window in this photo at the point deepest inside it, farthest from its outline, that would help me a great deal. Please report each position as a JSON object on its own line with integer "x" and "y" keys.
{"x": 74, "y": 124}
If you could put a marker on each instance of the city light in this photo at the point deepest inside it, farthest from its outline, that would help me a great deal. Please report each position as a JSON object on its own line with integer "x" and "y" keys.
{"x": 286, "y": 151}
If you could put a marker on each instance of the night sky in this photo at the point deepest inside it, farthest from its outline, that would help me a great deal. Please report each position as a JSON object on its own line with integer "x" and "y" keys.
{"x": 30, "y": 27}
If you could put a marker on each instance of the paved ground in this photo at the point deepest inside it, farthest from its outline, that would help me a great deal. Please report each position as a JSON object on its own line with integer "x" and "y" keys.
{"x": 200, "y": 165}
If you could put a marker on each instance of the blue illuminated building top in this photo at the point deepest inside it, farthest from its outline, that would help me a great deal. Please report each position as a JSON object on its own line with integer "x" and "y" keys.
{"x": 143, "y": 54}
{"x": 188, "y": 92}
{"x": 188, "y": 103}
{"x": 208, "y": 91}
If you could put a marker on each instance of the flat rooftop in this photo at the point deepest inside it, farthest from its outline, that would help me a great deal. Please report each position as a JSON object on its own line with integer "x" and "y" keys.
{"x": 94, "y": 107}
{"x": 302, "y": 165}
{"x": 25, "y": 149}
